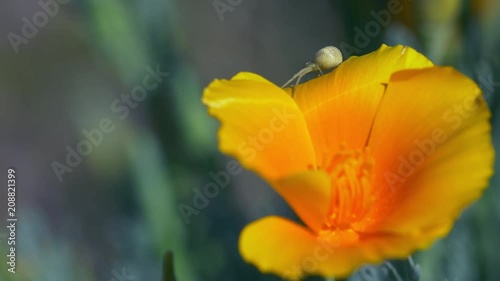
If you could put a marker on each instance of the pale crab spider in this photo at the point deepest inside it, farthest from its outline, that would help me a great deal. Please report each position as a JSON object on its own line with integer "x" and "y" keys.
{"x": 325, "y": 59}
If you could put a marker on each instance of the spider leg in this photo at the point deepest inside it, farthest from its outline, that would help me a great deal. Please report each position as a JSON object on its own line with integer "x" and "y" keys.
{"x": 300, "y": 74}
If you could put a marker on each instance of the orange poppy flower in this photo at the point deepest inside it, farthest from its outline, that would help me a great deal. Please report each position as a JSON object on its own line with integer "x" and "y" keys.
{"x": 377, "y": 158}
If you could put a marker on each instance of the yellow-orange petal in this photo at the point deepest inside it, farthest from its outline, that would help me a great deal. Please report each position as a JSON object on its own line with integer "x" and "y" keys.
{"x": 261, "y": 126}
{"x": 279, "y": 246}
{"x": 339, "y": 107}
{"x": 308, "y": 193}
{"x": 433, "y": 150}
{"x": 276, "y": 245}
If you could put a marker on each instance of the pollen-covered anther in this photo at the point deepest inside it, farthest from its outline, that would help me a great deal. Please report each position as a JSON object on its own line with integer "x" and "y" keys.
{"x": 351, "y": 173}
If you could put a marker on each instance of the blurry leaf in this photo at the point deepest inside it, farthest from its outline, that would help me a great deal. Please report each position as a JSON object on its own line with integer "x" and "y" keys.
{"x": 157, "y": 199}
{"x": 117, "y": 33}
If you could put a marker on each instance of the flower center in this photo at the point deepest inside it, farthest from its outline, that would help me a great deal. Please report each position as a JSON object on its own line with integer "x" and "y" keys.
{"x": 351, "y": 173}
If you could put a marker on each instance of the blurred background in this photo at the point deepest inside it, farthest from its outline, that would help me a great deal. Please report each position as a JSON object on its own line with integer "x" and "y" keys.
{"x": 104, "y": 179}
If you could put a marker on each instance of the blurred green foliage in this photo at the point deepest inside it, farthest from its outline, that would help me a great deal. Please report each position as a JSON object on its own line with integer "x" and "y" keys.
{"x": 118, "y": 211}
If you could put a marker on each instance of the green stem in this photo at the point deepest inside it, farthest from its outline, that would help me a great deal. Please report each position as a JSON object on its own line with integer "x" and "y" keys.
{"x": 168, "y": 267}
